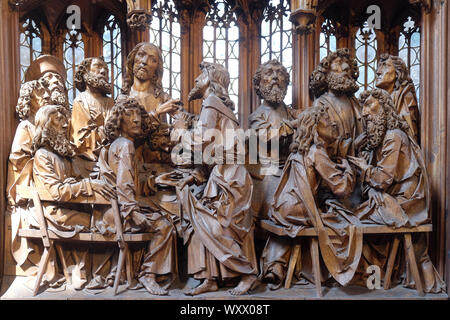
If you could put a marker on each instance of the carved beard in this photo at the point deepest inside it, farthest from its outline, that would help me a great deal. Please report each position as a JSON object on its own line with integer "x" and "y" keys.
{"x": 98, "y": 82}
{"x": 58, "y": 142}
{"x": 273, "y": 93}
{"x": 59, "y": 98}
{"x": 196, "y": 93}
{"x": 376, "y": 129}
{"x": 141, "y": 73}
{"x": 341, "y": 83}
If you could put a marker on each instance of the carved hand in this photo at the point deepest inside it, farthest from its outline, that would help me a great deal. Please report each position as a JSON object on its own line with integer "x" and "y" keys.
{"x": 376, "y": 197}
{"x": 359, "y": 162}
{"x": 168, "y": 107}
{"x": 100, "y": 187}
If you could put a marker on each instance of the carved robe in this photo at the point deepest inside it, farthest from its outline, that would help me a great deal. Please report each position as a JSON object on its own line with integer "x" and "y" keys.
{"x": 346, "y": 112}
{"x": 119, "y": 166}
{"x": 54, "y": 174}
{"x": 405, "y": 103}
{"x": 399, "y": 173}
{"x": 295, "y": 207}
{"x": 20, "y": 170}
{"x": 220, "y": 231}
{"x": 267, "y": 173}
{"x": 87, "y": 131}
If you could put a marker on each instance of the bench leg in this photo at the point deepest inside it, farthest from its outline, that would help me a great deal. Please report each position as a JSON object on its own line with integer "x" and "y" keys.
{"x": 390, "y": 264}
{"x": 292, "y": 263}
{"x": 60, "y": 252}
{"x": 413, "y": 264}
{"x": 42, "y": 267}
{"x": 316, "y": 265}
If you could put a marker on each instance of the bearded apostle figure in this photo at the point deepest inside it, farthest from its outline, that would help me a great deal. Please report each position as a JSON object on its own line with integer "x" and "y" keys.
{"x": 395, "y": 181}
{"x": 90, "y": 107}
{"x": 272, "y": 123}
{"x": 218, "y": 227}
{"x": 45, "y": 84}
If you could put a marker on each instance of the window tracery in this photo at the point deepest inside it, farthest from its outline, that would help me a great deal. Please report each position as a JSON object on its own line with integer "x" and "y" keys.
{"x": 366, "y": 46}
{"x": 73, "y": 53}
{"x": 409, "y": 50}
{"x": 30, "y": 45}
{"x": 165, "y": 33}
{"x": 112, "y": 53}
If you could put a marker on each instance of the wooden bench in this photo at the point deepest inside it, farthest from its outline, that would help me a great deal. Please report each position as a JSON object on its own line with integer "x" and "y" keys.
{"x": 366, "y": 229}
{"x": 51, "y": 239}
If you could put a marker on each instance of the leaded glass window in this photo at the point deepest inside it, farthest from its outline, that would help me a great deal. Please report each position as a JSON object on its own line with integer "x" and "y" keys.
{"x": 409, "y": 50}
{"x": 73, "y": 49}
{"x": 221, "y": 43}
{"x": 327, "y": 38}
{"x": 276, "y": 37}
{"x": 112, "y": 53}
{"x": 165, "y": 33}
{"x": 366, "y": 56}
{"x": 30, "y": 45}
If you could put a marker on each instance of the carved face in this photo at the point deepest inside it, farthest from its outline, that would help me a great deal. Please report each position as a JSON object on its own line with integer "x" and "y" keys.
{"x": 371, "y": 107}
{"x": 97, "y": 77}
{"x": 146, "y": 63}
{"x": 341, "y": 66}
{"x": 375, "y": 117}
{"x": 201, "y": 85}
{"x": 99, "y": 68}
{"x": 273, "y": 84}
{"x": 386, "y": 75}
{"x": 54, "y": 84}
{"x": 40, "y": 97}
{"x": 339, "y": 77}
{"x": 58, "y": 122}
{"x": 131, "y": 125}
{"x": 327, "y": 129}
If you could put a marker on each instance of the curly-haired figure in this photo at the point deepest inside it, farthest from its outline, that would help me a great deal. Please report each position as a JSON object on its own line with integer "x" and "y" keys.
{"x": 90, "y": 107}
{"x": 45, "y": 74}
{"x": 271, "y": 122}
{"x": 393, "y": 76}
{"x": 309, "y": 169}
{"x": 396, "y": 184}
{"x": 333, "y": 84}
{"x": 129, "y": 121}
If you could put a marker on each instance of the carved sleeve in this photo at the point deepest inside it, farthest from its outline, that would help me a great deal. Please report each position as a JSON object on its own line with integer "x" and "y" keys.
{"x": 21, "y": 148}
{"x": 80, "y": 123}
{"x": 261, "y": 122}
{"x": 124, "y": 155}
{"x": 341, "y": 182}
{"x": 382, "y": 175}
{"x": 47, "y": 175}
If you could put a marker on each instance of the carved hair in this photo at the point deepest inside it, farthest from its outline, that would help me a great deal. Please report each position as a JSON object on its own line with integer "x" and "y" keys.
{"x": 82, "y": 69}
{"x": 402, "y": 78}
{"x": 306, "y": 128}
{"x": 129, "y": 78}
{"x": 318, "y": 84}
{"x": 26, "y": 95}
{"x": 45, "y": 136}
{"x": 219, "y": 81}
{"x": 393, "y": 120}
{"x": 114, "y": 120}
{"x": 266, "y": 65}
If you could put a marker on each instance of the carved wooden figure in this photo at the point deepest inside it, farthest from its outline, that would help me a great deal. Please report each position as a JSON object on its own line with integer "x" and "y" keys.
{"x": 393, "y": 76}
{"x": 128, "y": 122}
{"x": 395, "y": 180}
{"x": 52, "y": 171}
{"x": 271, "y": 121}
{"x": 90, "y": 107}
{"x": 44, "y": 85}
{"x": 219, "y": 230}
